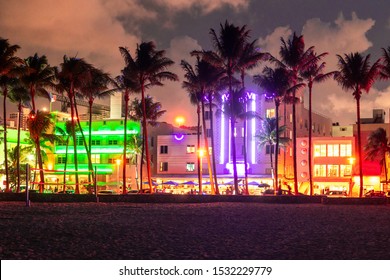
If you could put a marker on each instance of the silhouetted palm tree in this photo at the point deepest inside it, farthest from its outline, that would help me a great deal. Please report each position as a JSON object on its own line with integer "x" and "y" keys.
{"x": 293, "y": 58}
{"x": 148, "y": 68}
{"x": 229, "y": 47}
{"x": 267, "y": 137}
{"x": 276, "y": 83}
{"x": 385, "y": 70}
{"x": 377, "y": 148}
{"x": 39, "y": 77}
{"x": 356, "y": 74}
{"x": 201, "y": 83}
{"x": 39, "y": 125}
{"x": 9, "y": 64}
{"x": 153, "y": 112}
{"x": 313, "y": 73}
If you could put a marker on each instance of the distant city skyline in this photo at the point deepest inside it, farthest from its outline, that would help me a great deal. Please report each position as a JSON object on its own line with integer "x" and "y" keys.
{"x": 94, "y": 30}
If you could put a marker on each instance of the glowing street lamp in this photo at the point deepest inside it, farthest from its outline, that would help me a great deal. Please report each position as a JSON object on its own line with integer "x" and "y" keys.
{"x": 179, "y": 120}
{"x": 118, "y": 163}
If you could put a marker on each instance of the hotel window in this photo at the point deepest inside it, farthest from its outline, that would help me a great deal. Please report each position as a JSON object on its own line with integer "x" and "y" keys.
{"x": 112, "y": 141}
{"x": 208, "y": 132}
{"x": 190, "y": 149}
{"x": 163, "y": 149}
{"x": 79, "y": 140}
{"x": 95, "y": 158}
{"x": 190, "y": 166}
{"x": 345, "y": 150}
{"x": 319, "y": 170}
{"x": 61, "y": 159}
{"x": 206, "y": 115}
{"x": 345, "y": 170}
{"x": 163, "y": 166}
{"x": 320, "y": 150}
{"x": 96, "y": 142}
{"x": 333, "y": 150}
{"x": 333, "y": 170}
{"x": 270, "y": 113}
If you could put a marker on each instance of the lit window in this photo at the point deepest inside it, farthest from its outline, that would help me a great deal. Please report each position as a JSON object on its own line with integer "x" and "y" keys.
{"x": 95, "y": 158}
{"x": 163, "y": 166}
{"x": 270, "y": 113}
{"x": 190, "y": 149}
{"x": 345, "y": 170}
{"x": 345, "y": 150}
{"x": 190, "y": 166}
{"x": 333, "y": 170}
{"x": 319, "y": 170}
{"x": 320, "y": 150}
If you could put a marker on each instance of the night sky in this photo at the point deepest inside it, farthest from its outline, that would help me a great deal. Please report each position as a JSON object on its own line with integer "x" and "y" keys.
{"x": 94, "y": 29}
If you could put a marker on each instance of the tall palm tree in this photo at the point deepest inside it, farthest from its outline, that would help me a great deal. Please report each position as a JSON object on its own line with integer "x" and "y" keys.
{"x": 377, "y": 148}
{"x": 229, "y": 46}
{"x": 95, "y": 86}
{"x": 267, "y": 137}
{"x": 39, "y": 77}
{"x": 249, "y": 59}
{"x": 385, "y": 71}
{"x": 153, "y": 112}
{"x": 312, "y": 72}
{"x": 9, "y": 64}
{"x": 293, "y": 58}
{"x": 356, "y": 74}
{"x": 148, "y": 68}
{"x": 21, "y": 96}
{"x": 276, "y": 83}
{"x": 201, "y": 83}
{"x": 73, "y": 74}
{"x": 39, "y": 125}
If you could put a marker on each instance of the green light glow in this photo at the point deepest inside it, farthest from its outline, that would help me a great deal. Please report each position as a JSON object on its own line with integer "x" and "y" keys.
{"x": 95, "y": 150}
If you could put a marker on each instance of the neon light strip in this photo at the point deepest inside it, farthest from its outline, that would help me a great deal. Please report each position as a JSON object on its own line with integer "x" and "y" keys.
{"x": 230, "y": 138}
{"x": 222, "y": 154}
{"x": 253, "y": 130}
{"x": 179, "y": 137}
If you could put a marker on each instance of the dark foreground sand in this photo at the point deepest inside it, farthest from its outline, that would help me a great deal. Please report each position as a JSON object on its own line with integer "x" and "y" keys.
{"x": 193, "y": 231}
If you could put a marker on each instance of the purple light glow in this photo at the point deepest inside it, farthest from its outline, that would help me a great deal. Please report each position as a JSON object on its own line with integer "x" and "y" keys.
{"x": 179, "y": 137}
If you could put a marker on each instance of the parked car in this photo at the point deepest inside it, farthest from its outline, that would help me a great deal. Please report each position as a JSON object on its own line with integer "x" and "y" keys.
{"x": 373, "y": 193}
{"x": 106, "y": 192}
{"x": 132, "y": 192}
{"x": 337, "y": 194}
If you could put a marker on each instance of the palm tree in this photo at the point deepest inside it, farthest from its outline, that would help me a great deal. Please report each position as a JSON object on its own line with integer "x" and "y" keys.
{"x": 377, "y": 148}
{"x": 73, "y": 74}
{"x": 293, "y": 58}
{"x": 148, "y": 68}
{"x": 9, "y": 64}
{"x": 38, "y": 77}
{"x": 276, "y": 83}
{"x": 21, "y": 96}
{"x": 356, "y": 74}
{"x": 39, "y": 125}
{"x": 267, "y": 137}
{"x": 313, "y": 73}
{"x": 249, "y": 59}
{"x": 229, "y": 47}
{"x": 153, "y": 113}
{"x": 201, "y": 83}
{"x": 134, "y": 149}
{"x": 385, "y": 72}
{"x": 95, "y": 86}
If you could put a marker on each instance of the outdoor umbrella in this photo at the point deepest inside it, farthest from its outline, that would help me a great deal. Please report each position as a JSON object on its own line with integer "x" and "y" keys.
{"x": 253, "y": 183}
{"x": 153, "y": 183}
{"x": 190, "y": 183}
{"x": 264, "y": 185}
{"x": 170, "y": 183}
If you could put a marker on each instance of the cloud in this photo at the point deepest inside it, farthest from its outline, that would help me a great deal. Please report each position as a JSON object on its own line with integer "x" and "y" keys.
{"x": 206, "y": 6}
{"x": 55, "y": 28}
{"x": 341, "y": 36}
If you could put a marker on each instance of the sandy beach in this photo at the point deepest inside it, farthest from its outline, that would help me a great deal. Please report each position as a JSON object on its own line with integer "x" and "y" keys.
{"x": 193, "y": 231}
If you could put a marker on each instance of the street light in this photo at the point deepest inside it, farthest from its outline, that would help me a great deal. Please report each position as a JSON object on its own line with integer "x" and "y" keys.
{"x": 179, "y": 120}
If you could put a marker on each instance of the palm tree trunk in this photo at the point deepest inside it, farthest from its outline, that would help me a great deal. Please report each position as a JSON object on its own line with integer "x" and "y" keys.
{"x": 5, "y": 93}
{"x": 66, "y": 162}
{"x": 142, "y": 160}
{"x": 40, "y": 166}
{"x": 272, "y": 164}
{"x": 359, "y": 143}
{"x": 212, "y": 144}
{"x": 198, "y": 149}
{"x": 125, "y": 142}
{"x": 75, "y": 160}
{"x": 310, "y": 140}
{"x": 276, "y": 146}
{"x": 232, "y": 136}
{"x": 18, "y": 147}
{"x": 295, "y": 145}
{"x": 90, "y": 142}
{"x": 245, "y": 160}
{"x": 206, "y": 143}
{"x": 148, "y": 168}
